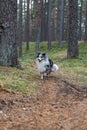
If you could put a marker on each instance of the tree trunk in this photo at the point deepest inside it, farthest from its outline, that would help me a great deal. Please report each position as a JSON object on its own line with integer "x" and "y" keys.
{"x": 8, "y": 26}
{"x": 58, "y": 2}
{"x": 73, "y": 29}
{"x": 86, "y": 23}
{"x": 38, "y": 28}
{"x": 45, "y": 21}
{"x": 20, "y": 28}
{"x": 61, "y": 24}
{"x": 49, "y": 23}
{"x": 27, "y": 26}
{"x": 80, "y": 21}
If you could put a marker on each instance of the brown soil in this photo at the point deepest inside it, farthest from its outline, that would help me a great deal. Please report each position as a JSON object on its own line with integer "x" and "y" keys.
{"x": 57, "y": 105}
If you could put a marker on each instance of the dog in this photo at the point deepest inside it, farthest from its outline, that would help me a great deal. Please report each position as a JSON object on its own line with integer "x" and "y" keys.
{"x": 45, "y": 65}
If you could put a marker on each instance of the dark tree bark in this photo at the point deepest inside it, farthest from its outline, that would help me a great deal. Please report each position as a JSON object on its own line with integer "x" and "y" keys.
{"x": 45, "y": 21}
{"x": 24, "y": 19}
{"x": 8, "y": 26}
{"x": 54, "y": 25}
{"x": 49, "y": 23}
{"x": 58, "y": 3}
{"x": 80, "y": 21}
{"x": 86, "y": 23}
{"x": 73, "y": 29}
{"x": 38, "y": 24}
{"x": 61, "y": 24}
{"x": 20, "y": 28}
{"x": 44, "y": 9}
{"x": 27, "y": 26}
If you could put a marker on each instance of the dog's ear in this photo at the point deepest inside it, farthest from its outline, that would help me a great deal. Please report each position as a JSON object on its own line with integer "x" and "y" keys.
{"x": 38, "y": 54}
{"x": 44, "y": 54}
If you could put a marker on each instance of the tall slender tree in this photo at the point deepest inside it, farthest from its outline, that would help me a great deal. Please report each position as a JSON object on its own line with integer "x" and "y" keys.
{"x": 58, "y": 7}
{"x": 61, "y": 24}
{"x": 49, "y": 23}
{"x": 86, "y": 23}
{"x": 8, "y": 30}
{"x": 38, "y": 24}
{"x": 20, "y": 31}
{"x": 27, "y": 25}
{"x": 24, "y": 18}
{"x": 73, "y": 29}
{"x": 45, "y": 20}
{"x": 80, "y": 20}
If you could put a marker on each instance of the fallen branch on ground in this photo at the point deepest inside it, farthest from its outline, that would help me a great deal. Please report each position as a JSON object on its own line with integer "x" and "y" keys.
{"x": 6, "y": 90}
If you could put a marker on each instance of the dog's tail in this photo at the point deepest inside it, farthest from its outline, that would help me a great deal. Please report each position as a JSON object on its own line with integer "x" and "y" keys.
{"x": 55, "y": 68}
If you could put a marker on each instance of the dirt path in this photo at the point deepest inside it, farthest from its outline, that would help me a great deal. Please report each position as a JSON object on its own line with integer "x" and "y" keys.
{"x": 56, "y": 106}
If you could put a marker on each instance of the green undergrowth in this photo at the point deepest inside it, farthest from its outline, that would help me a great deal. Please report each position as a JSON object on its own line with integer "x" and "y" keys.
{"x": 26, "y": 80}
{"x": 76, "y": 68}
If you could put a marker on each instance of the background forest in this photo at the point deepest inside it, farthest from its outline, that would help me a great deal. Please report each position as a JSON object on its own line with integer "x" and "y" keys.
{"x": 26, "y": 21}
{"x": 49, "y": 21}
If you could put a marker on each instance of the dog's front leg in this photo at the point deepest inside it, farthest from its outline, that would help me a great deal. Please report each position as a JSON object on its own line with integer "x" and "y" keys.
{"x": 42, "y": 75}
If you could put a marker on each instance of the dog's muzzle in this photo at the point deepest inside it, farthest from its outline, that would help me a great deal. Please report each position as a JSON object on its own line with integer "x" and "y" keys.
{"x": 39, "y": 60}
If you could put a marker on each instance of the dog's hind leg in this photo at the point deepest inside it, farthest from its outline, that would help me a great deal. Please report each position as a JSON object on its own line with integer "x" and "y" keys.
{"x": 48, "y": 73}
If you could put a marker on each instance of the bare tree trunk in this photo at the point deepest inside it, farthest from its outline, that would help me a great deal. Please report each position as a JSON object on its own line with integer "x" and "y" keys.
{"x": 54, "y": 25}
{"x": 27, "y": 26}
{"x": 24, "y": 18}
{"x": 38, "y": 28}
{"x": 45, "y": 21}
{"x": 86, "y": 23}
{"x": 80, "y": 21}
{"x": 8, "y": 30}
{"x": 73, "y": 29}
{"x": 58, "y": 2}
{"x": 61, "y": 24}
{"x": 49, "y": 23}
{"x": 20, "y": 28}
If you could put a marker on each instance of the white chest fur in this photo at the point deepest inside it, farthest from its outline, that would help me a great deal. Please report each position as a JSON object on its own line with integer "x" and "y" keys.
{"x": 42, "y": 65}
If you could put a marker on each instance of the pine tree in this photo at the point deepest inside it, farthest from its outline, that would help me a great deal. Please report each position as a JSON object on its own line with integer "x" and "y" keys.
{"x": 8, "y": 30}
{"x": 49, "y": 23}
{"x": 20, "y": 30}
{"x": 73, "y": 29}
{"x": 61, "y": 24}
{"x": 27, "y": 25}
{"x": 86, "y": 23}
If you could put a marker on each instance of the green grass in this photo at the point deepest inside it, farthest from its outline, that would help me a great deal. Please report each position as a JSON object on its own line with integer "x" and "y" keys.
{"x": 26, "y": 80}
{"x": 76, "y": 68}
{"x": 16, "y": 80}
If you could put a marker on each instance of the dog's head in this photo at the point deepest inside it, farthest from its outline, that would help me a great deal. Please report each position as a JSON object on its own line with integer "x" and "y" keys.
{"x": 41, "y": 56}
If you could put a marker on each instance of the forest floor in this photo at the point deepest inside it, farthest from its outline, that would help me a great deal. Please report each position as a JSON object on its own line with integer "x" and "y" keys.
{"x": 56, "y": 105}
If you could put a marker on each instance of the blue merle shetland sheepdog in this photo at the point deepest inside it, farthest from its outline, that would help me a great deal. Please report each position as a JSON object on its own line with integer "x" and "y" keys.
{"x": 45, "y": 65}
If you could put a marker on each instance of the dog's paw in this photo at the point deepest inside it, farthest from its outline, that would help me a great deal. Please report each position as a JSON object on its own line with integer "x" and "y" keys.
{"x": 42, "y": 77}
